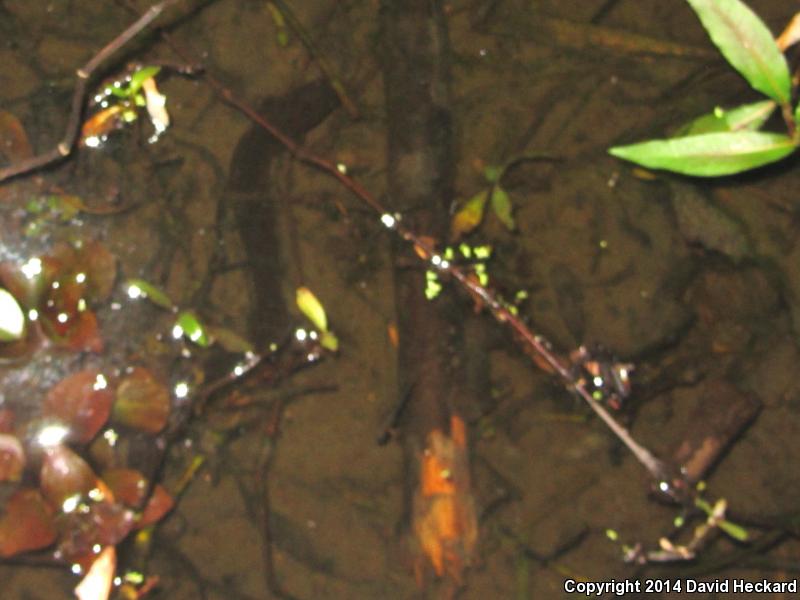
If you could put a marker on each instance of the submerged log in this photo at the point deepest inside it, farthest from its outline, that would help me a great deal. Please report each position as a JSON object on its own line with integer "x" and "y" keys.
{"x": 415, "y": 62}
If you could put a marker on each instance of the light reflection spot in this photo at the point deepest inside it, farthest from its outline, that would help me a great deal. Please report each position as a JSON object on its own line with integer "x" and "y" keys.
{"x": 70, "y": 504}
{"x": 32, "y": 268}
{"x": 134, "y": 291}
{"x": 51, "y": 435}
{"x": 177, "y": 332}
{"x": 181, "y": 389}
{"x": 301, "y": 335}
{"x": 388, "y": 220}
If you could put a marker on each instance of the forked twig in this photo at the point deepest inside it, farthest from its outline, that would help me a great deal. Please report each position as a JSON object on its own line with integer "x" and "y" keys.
{"x": 84, "y": 74}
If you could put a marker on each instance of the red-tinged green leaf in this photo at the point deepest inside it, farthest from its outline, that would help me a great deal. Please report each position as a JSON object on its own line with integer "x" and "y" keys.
{"x": 82, "y": 402}
{"x": 748, "y": 117}
{"x": 710, "y": 154}
{"x": 142, "y": 402}
{"x": 501, "y": 205}
{"x": 748, "y": 45}
{"x": 27, "y": 524}
{"x": 469, "y": 216}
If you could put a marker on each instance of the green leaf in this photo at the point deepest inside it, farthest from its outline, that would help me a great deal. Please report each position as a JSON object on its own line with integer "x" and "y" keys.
{"x": 737, "y": 532}
{"x": 329, "y": 341}
{"x": 709, "y": 154}
{"x": 747, "y": 117}
{"x": 312, "y": 308}
{"x": 139, "y": 77}
{"x": 492, "y": 173}
{"x": 501, "y": 205}
{"x": 747, "y": 44}
{"x": 140, "y": 287}
{"x": 12, "y": 319}
{"x": 192, "y": 328}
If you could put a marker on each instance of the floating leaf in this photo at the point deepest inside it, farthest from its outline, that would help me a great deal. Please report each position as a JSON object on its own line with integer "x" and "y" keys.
{"x": 312, "y": 308}
{"x": 192, "y": 328}
{"x": 501, "y": 205}
{"x": 469, "y": 216}
{"x": 12, "y": 319}
{"x": 747, "y": 44}
{"x": 27, "y": 523}
{"x": 142, "y": 402}
{"x": 710, "y": 154}
{"x": 746, "y": 117}
{"x": 12, "y": 458}
{"x": 140, "y": 288}
{"x": 65, "y": 478}
{"x": 82, "y": 402}
{"x": 96, "y": 584}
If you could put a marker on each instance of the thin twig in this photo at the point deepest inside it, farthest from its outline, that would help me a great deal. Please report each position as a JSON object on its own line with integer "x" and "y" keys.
{"x": 65, "y": 146}
{"x": 668, "y": 479}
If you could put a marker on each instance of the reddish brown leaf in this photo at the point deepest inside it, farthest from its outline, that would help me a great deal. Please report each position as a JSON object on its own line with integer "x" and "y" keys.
{"x": 100, "y": 267}
{"x": 81, "y": 401}
{"x": 159, "y": 504}
{"x": 27, "y": 523}
{"x": 65, "y": 475}
{"x": 14, "y": 144}
{"x": 12, "y": 458}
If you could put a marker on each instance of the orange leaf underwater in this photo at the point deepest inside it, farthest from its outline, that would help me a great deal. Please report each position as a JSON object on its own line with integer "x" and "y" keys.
{"x": 445, "y": 521}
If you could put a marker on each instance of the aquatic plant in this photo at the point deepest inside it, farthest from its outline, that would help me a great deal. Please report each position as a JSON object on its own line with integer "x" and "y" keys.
{"x": 730, "y": 141}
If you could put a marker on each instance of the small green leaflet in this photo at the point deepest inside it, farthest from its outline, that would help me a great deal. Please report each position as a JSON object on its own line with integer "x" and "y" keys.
{"x": 747, "y": 44}
{"x": 140, "y": 287}
{"x": 747, "y": 117}
{"x": 709, "y": 154}
{"x": 312, "y": 308}
{"x": 192, "y": 328}
{"x": 501, "y": 205}
{"x": 139, "y": 77}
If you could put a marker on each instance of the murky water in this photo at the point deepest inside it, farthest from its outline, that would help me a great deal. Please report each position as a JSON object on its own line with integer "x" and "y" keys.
{"x": 697, "y": 283}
